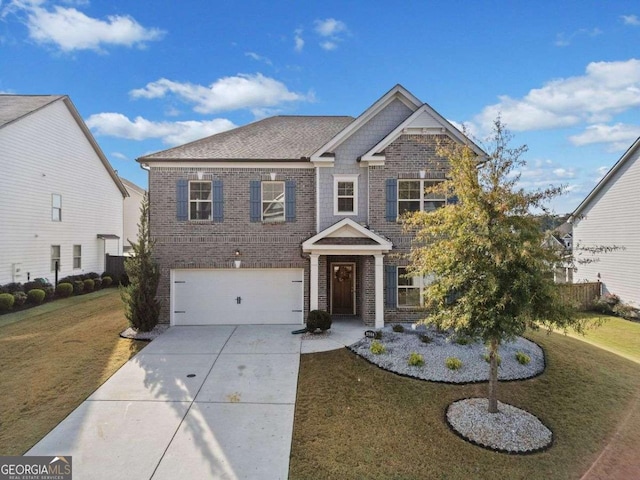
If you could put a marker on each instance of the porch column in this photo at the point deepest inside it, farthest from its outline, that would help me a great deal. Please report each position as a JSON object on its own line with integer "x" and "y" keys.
{"x": 313, "y": 282}
{"x": 379, "y": 279}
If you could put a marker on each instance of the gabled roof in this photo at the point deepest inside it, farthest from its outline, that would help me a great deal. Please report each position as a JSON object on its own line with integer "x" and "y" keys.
{"x": 424, "y": 120}
{"x": 346, "y": 236}
{"x": 14, "y": 108}
{"x": 276, "y": 138}
{"x": 132, "y": 186}
{"x": 396, "y": 93}
{"x": 606, "y": 179}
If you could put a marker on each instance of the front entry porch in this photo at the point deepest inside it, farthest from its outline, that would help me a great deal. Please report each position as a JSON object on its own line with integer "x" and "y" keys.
{"x": 346, "y": 271}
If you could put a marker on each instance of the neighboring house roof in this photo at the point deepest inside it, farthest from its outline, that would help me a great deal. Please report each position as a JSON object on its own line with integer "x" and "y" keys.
{"x": 132, "y": 186}
{"x": 606, "y": 179}
{"x": 15, "y": 107}
{"x": 275, "y": 138}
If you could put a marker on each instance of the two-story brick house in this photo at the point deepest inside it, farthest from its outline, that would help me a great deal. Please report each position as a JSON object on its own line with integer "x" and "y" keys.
{"x": 288, "y": 214}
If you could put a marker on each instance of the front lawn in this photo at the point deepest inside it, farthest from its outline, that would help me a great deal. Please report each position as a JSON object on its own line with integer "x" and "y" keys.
{"x": 53, "y": 359}
{"x": 616, "y": 334}
{"x": 355, "y": 421}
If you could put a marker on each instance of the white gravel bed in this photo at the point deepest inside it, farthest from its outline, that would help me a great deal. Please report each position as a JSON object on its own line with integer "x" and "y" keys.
{"x": 510, "y": 430}
{"x": 133, "y": 334}
{"x": 474, "y": 368}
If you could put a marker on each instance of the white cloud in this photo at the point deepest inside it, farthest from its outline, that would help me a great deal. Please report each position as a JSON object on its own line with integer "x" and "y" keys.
{"x": 564, "y": 40}
{"x": 631, "y": 20}
{"x": 606, "y": 89}
{"x": 119, "y": 156}
{"x": 172, "y": 133}
{"x": 69, "y": 29}
{"x": 543, "y": 173}
{"x": 228, "y": 93}
{"x": 258, "y": 58}
{"x": 620, "y": 136}
{"x": 331, "y": 30}
{"x": 298, "y": 41}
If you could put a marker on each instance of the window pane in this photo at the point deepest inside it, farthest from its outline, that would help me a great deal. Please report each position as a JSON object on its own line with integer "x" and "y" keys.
{"x": 409, "y": 190}
{"x": 408, "y": 296}
{"x": 55, "y": 214}
{"x": 56, "y": 201}
{"x": 433, "y": 205}
{"x": 272, "y": 191}
{"x": 408, "y": 206}
{"x": 200, "y": 190}
{"x": 200, "y": 211}
{"x": 345, "y": 189}
{"x": 273, "y": 211}
{"x": 345, "y": 204}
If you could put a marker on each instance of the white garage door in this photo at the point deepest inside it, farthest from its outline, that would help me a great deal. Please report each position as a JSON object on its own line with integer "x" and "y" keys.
{"x": 237, "y": 296}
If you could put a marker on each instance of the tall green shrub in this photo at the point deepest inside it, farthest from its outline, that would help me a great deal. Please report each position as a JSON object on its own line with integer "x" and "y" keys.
{"x": 141, "y": 307}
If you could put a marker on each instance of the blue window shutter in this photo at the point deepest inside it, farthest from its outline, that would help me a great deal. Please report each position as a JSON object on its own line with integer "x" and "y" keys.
{"x": 290, "y": 200}
{"x": 182, "y": 200}
{"x": 391, "y": 286}
{"x": 218, "y": 201}
{"x": 452, "y": 200}
{"x": 255, "y": 194}
{"x": 392, "y": 199}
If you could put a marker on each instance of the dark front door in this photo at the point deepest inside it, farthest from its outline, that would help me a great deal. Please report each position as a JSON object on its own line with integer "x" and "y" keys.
{"x": 343, "y": 283}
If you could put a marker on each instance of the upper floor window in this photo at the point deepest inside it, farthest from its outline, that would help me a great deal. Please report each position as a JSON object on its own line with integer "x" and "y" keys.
{"x": 56, "y": 207}
{"x": 199, "y": 200}
{"x": 414, "y": 196}
{"x": 345, "y": 188}
{"x": 273, "y": 202}
{"x": 55, "y": 257}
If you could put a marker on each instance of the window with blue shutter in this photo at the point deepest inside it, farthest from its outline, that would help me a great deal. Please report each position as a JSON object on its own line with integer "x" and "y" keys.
{"x": 290, "y": 201}
{"x": 255, "y": 200}
{"x": 218, "y": 201}
{"x": 392, "y": 199}
{"x": 182, "y": 200}
{"x": 391, "y": 286}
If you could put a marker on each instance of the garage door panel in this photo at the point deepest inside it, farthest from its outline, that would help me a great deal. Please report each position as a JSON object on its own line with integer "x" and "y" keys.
{"x": 242, "y": 296}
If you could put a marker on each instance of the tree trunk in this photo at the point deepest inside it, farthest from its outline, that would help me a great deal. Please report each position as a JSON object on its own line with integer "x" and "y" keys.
{"x": 493, "y": 375}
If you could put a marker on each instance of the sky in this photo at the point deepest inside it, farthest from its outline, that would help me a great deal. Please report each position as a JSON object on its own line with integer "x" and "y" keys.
{"x": 564, "y": 76}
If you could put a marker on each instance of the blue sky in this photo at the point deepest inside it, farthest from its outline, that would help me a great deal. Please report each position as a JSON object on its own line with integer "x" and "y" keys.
{"x": 148, "y": 75}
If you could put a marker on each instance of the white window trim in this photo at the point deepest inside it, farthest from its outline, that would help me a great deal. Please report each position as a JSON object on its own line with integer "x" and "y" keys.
{"x": 345, "y": 178}
{"x": 263, "y": 201}
{"x": 422, "y": 199}
{"x": 421, "y": 284}
{"x": 190, "y": 201}
{"x": 78, "y": 257}
{"x": 58, "y": 258}
{"x": 55, "y": 208}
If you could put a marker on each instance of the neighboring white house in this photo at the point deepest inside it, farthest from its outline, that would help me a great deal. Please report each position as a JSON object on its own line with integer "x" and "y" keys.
{"x": 61, "y": 200}
{"x": 610, "y": 217}
{"x": 132, "y": 206}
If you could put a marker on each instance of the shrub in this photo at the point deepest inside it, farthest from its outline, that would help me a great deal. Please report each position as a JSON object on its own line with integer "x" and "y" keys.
{"x": 20, "y": 298}
{"x": 106, "y": 281}
{"x": 522, "y": 358}
{"x": 415, "y": 359}
{"x": 97, "y": 283}
{"x": 11, "y": 288}
{"x": 49, "y": 291}
{"x": 377, "y": 347}
{"x": 91, "y": 275}
{"x": 398, "y": 328}
{"x": 424, "y": 338}
{"x": 318, "y": 319}
{"x": 487, "y": 358}
{"x": 462, "y": 340}
{"x": 78, "y": 287}
{"x": 378, "y": 335}
{"x": 36, "y": 296}
{"x": 88, "y": 285}
{"x": 39, "y": 283}
{"x": 453, "y": 363}
{"x": 64, "y": 290}
{"x": 6, "y": 301}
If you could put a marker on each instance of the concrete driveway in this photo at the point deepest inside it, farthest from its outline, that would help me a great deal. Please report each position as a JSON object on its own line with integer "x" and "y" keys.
{"x": 199, "y": 402}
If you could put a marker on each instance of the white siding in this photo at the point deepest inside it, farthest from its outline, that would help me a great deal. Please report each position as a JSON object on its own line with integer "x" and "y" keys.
{"x": 42, "y": 154}
{"x": 132, "y": 205}
{"x": 613, "y": 218}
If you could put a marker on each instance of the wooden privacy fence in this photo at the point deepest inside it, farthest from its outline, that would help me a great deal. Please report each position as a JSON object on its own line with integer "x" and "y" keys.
{"x": 115, "y": 266}
{"x": 580, "y": 294}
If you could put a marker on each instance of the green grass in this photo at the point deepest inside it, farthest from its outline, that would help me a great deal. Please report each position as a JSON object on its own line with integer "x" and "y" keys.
{"x": 356, "y": 421}
{"x": 52, "y": 359}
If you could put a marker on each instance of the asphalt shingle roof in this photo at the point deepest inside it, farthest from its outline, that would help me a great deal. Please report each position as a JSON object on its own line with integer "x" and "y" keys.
{"x": 13, "y": 107}
{"x": 274, "y": 138}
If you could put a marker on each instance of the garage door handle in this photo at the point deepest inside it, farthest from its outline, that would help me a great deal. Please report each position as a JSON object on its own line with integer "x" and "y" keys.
{"x": 238, "y": 300}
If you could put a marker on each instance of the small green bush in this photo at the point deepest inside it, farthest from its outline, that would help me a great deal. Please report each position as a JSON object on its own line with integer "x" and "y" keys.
{"x": 6, "y": 301}
{"x": 318, "y": 319}
{"x": 97, "y": 283}
{"x": 462, "y": 340}
{"x": 20, "y": 297}
{"x": 523, "y": 358}
{"x": 88, "y": 285}
{"x": 398, "y": 328}
{"x": 424, "y": 338}
{"x": 106, "y": 281}
{"x": 78, "y": 287}
{"x": 453, "y": 363}
{"x": 36, "y": 296}
{"x": 377, "y": 347}
{"x": 415, "y": 359}
{"x": 378, "y": 335}
{"x": 64, "y": 290}
{"x": 488, "y": 359}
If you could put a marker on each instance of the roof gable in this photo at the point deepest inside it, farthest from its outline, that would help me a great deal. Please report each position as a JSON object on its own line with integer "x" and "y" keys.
{"x": 323, "y": 154}
{"x": 628, "y": 155}
{"x": 359, "y": 238}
